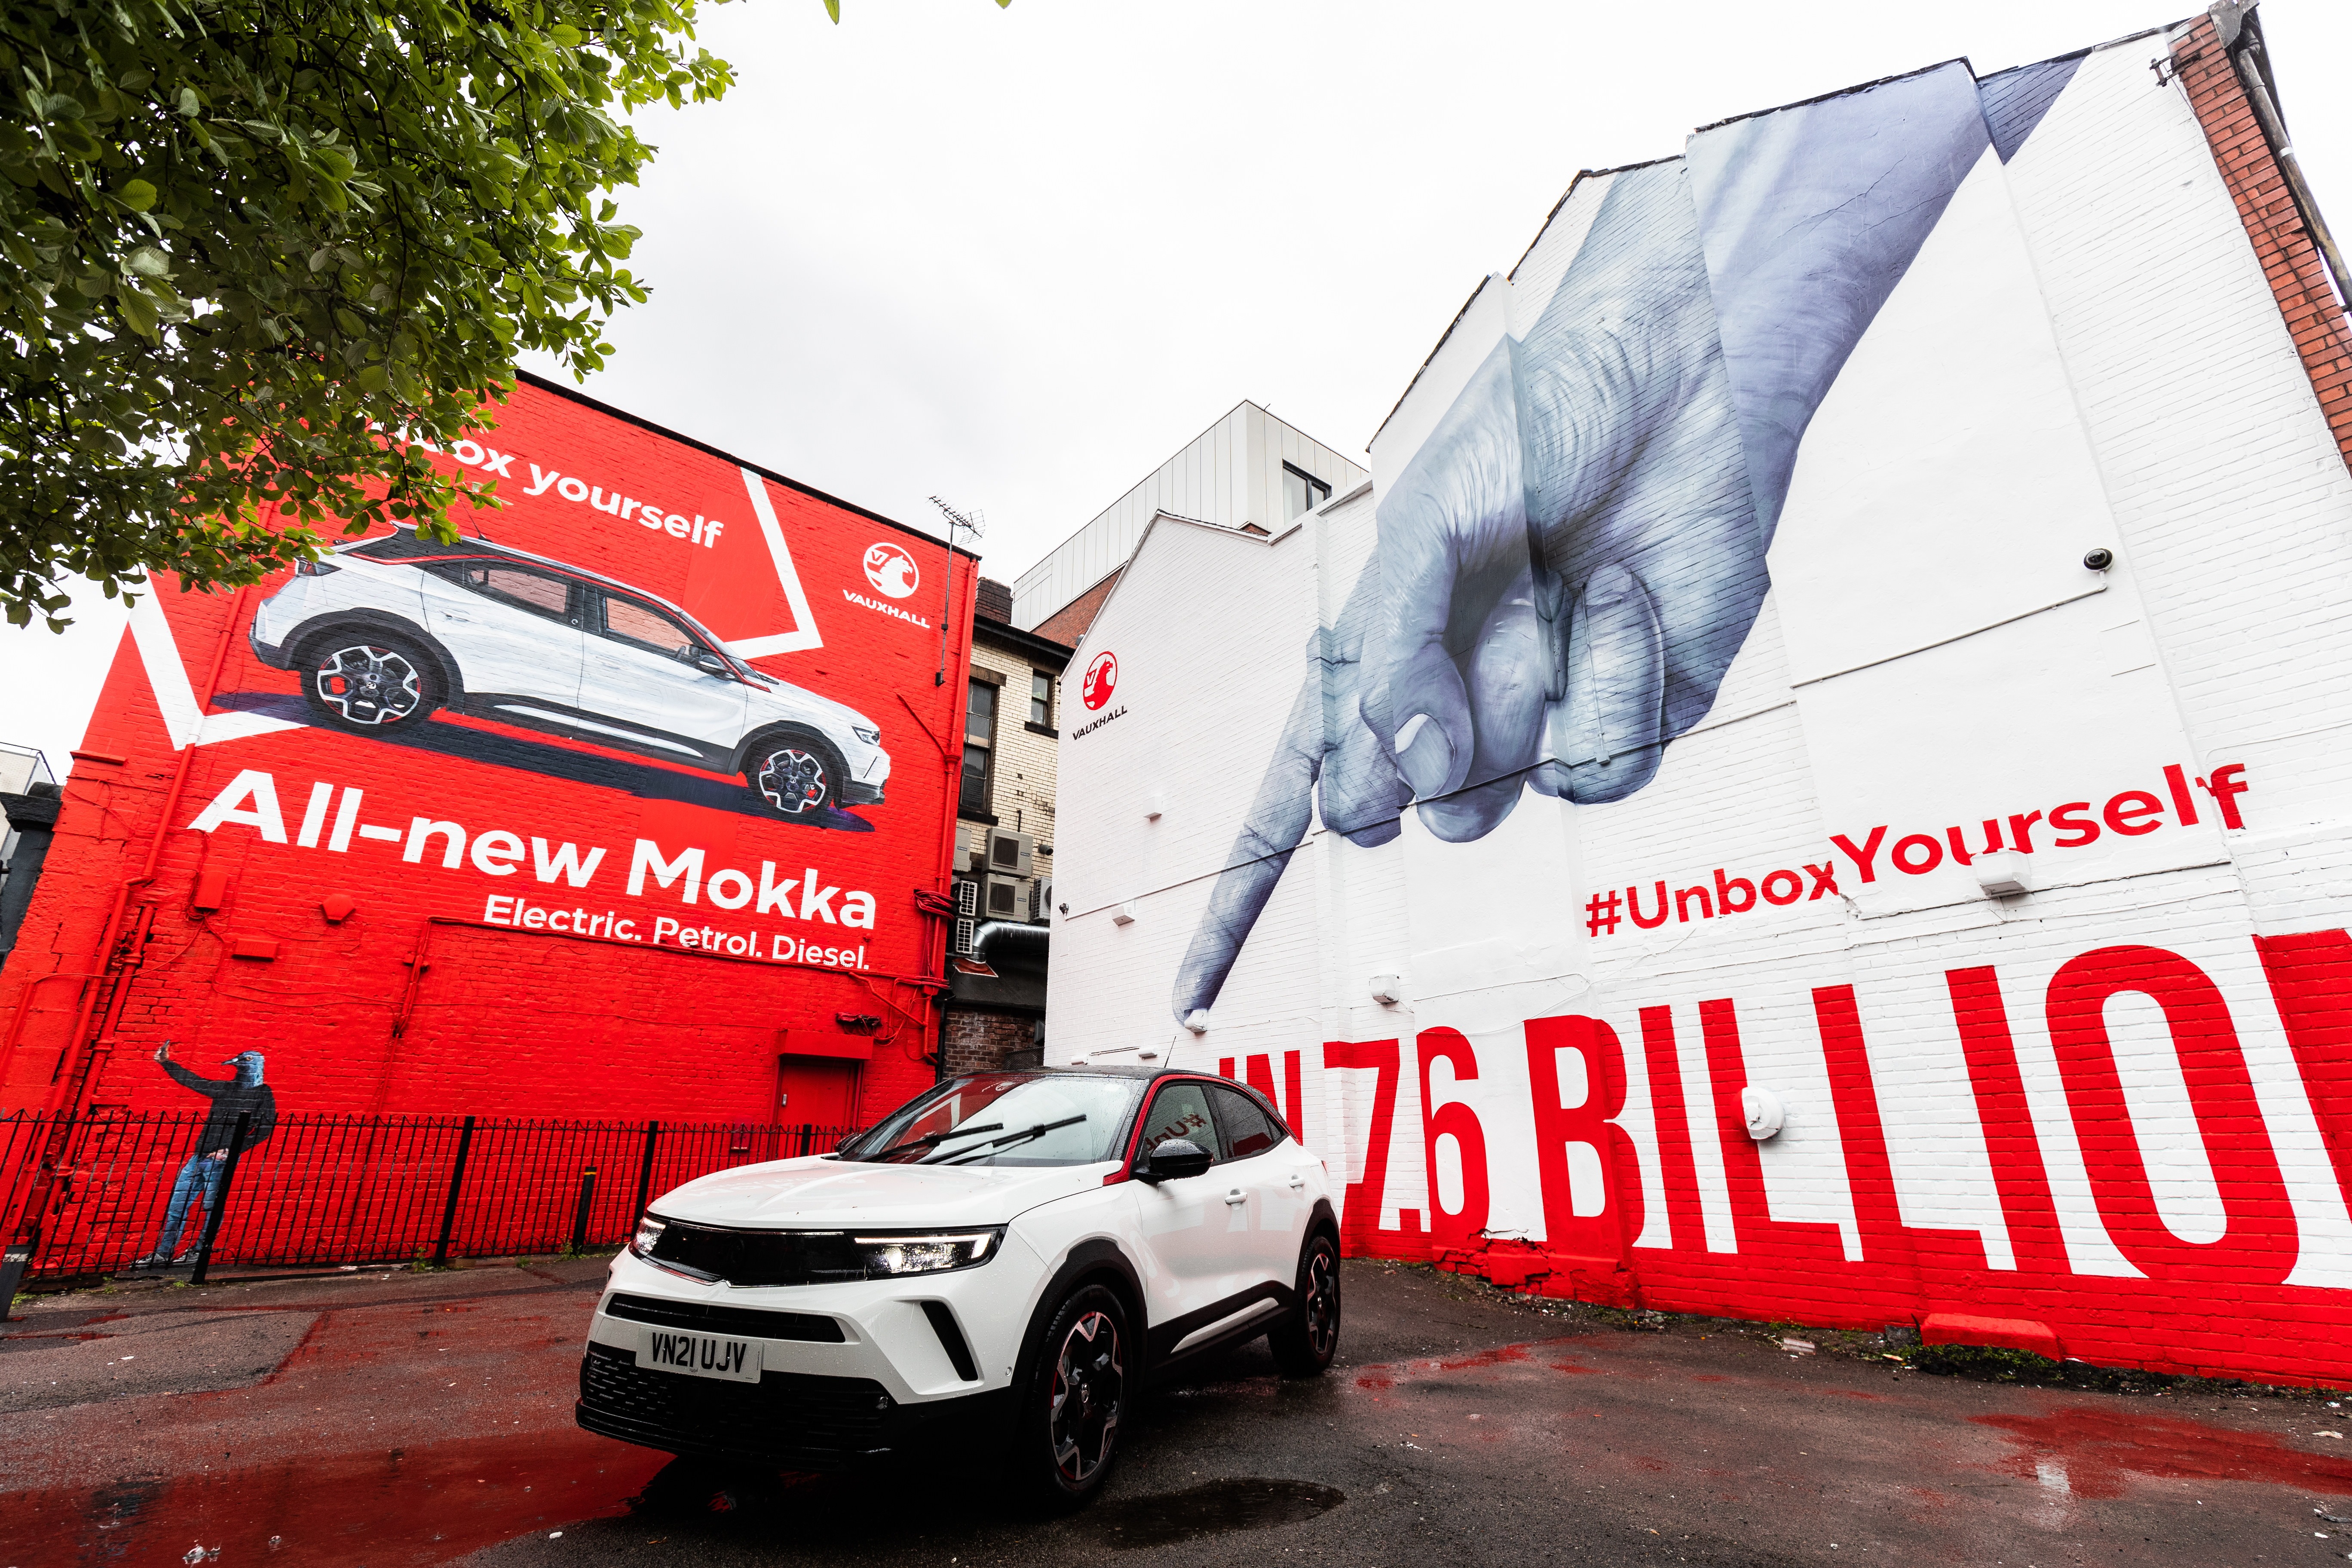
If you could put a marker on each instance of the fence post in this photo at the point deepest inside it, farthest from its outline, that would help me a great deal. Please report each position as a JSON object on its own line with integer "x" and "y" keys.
{"x": 646, "y": 1171}
{"x": 449, "y": 1209}
{"x": 580, "y": 1218}
{"x": 220, "y": 1198}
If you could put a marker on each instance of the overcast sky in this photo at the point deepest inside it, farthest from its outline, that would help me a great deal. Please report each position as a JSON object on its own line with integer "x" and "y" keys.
{"x": 1018, "y": 257}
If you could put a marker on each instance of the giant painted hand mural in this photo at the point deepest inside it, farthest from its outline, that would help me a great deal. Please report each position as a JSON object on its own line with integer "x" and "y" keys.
{"x": 1571, "y": 558}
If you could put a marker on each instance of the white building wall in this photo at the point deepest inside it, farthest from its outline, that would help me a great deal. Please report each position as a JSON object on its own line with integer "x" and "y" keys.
{"x": 2084, "y": 353}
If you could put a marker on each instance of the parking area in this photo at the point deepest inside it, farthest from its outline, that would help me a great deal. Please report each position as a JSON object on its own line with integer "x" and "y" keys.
{"x": 391, "y": 1418}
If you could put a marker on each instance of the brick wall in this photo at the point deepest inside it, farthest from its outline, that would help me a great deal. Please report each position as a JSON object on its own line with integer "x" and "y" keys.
{"x": 2289, "y": 258}
{"x": 437, "y": 992}
{"x": 1025, "y": 768}
{"x": 985, "y": 1042}
{"x": 2088, "y": 1112}
{"x": 1069, "y": 623}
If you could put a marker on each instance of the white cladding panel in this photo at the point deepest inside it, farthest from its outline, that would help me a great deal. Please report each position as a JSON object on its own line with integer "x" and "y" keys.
{"x": 1231, "y": 473}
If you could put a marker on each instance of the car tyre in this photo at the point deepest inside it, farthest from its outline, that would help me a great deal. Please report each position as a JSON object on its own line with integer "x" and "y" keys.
{"x": 795, "y": 774}
{"x": 368, "y": 682}
{"x": 1067, "y": 1420}
{"x": 1308, "y": 1336}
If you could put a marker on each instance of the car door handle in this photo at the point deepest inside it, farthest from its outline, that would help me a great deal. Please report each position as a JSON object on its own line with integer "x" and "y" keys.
{"x": 1237, "y": 1197}
{"x": 1297, "y": 1182}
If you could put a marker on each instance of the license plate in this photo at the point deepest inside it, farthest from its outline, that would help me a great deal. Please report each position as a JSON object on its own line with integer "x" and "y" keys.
{"x": 702, "y": 1355}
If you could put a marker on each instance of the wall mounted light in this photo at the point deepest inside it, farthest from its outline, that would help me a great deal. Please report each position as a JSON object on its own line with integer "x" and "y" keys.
{"x": 2099, "y": 560}
{"x": 1124, "y": 915}
{"x": 1762, "y": 1109}
{"x": 2002, "y": 873}
{"x": 338, "y": 907}
{"x": 1388, "y": 990}
{"x": 1197, "y": 1020}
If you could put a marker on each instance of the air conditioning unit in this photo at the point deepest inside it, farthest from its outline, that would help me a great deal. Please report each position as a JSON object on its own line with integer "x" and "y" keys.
{"x": 967, "y": 899}
{"x": 1008, "y": 853}
{"x": 1007, "y": 899}
{"x": 964, "y": 930}
{"x": 1041, "y": 898}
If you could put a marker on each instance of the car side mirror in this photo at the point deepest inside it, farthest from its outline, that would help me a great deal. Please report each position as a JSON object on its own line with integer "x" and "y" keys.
{"x": 1173, "y": 1161}
{"x": 711, "y": 664}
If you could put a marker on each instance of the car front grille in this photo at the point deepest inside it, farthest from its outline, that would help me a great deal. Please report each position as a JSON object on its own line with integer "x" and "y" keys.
{"x": 711, "y": 1319}
{"x": 762, "y": 1256}
{"x": 792, "y": 1420}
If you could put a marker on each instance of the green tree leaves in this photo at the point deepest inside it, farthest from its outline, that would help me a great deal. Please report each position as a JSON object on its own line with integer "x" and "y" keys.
{"x": 243, "y": 240}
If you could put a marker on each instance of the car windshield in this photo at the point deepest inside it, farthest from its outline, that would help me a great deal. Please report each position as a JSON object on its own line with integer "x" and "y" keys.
{"x": 1007, "y": 1119}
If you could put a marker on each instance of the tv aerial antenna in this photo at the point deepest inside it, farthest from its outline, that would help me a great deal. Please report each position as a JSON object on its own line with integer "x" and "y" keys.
{"x": 974, "y": 523}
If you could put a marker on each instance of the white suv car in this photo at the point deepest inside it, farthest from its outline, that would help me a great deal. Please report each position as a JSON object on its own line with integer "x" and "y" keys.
{"x": 388, "y": 629}
{"x": 1020, "y": 1249}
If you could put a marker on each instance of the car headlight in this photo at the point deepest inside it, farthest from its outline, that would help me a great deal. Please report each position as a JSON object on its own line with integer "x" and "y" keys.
{"x": 885, "y": 1257}
{"x": 649, "y": 1232}
{"x": 871, "y": 737}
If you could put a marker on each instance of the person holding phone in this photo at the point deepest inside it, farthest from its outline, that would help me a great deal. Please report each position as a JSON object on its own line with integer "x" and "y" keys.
{"x": 200, "y": 1175}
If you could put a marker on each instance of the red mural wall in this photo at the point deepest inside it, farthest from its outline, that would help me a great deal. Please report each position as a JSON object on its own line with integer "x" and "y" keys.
{"x": 2229, "y": 1301}
{"x": 629, "y": 804}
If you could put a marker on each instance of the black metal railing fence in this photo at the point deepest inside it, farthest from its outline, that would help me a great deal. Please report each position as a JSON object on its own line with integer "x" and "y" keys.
{"x": 326, "y": 1189}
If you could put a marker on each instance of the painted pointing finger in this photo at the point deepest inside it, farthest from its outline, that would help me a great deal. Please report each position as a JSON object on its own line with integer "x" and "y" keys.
{"x": 1607, "y": 734}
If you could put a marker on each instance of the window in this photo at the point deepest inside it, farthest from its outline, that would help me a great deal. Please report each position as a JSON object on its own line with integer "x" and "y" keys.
{"x": 1062, "y": 1119}
{"x": 516, "y": 586}
{"x": 1301, "y": 491}
{"x": 973, "y": 799}
{"x": 1180, "y": 1111}
{"x": 641, "y": 625}
{"x": 1247, "y": 1129}
{"x": 979, "y": 736}
{"x": 1041, "y": 699}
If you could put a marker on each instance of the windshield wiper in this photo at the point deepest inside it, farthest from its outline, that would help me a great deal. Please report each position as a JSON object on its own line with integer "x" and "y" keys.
{"x": 1026, "y": 1132}
{"x": 927, "y": 1138}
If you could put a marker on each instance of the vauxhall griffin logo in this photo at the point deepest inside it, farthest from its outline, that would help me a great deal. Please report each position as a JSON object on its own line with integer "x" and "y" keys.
{"x": 1101, "y": 676}
{"x": 891, "y": 571}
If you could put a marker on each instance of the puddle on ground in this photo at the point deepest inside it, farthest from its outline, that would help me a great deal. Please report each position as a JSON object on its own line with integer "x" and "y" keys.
{"x": 2087, "y": 1450}
{"x": 407, "y": 1508}
{"x": 1212, "y": 1507}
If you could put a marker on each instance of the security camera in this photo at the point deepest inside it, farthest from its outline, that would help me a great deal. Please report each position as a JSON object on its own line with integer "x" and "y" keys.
{"x": 2099, "y": 560}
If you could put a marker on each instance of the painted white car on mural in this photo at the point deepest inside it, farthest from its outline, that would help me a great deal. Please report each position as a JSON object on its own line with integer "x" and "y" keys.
{"x": 1007, "y": 1259}
{"x": 388, "y": 629}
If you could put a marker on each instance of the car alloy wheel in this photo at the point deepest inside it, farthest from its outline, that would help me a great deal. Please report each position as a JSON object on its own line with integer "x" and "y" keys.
{"x": 370, "y": 686}
{"x": 793, "y": 780}
{"x": 1089, "y": 1384}
{"x": 1322, "y": 1313}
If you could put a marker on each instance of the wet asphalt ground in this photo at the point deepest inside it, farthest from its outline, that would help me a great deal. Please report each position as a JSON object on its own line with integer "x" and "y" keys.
{"x": 403, "y": 1418}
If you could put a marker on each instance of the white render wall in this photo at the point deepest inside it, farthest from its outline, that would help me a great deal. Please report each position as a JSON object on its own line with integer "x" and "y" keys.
{"x": 2116, "y": 375}
{"x": 1231, "y": 473}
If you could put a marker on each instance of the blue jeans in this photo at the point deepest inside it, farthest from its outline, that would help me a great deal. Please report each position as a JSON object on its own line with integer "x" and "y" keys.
{"x": 199, "y": 1178}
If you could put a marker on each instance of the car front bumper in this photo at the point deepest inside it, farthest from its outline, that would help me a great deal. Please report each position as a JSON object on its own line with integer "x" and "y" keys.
{"x": 889, "y": 1380}
{"x": 795, "y": 1421}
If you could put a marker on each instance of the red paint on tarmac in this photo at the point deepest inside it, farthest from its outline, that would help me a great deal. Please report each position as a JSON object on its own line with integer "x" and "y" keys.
{"x": 433, "y": 1506}
{"x": 400, "y": 1419}
{"x": 2098, "y": 1447}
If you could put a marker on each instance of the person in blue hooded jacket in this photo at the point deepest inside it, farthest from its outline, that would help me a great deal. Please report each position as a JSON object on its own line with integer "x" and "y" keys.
{"x": 200, "y": 1177}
